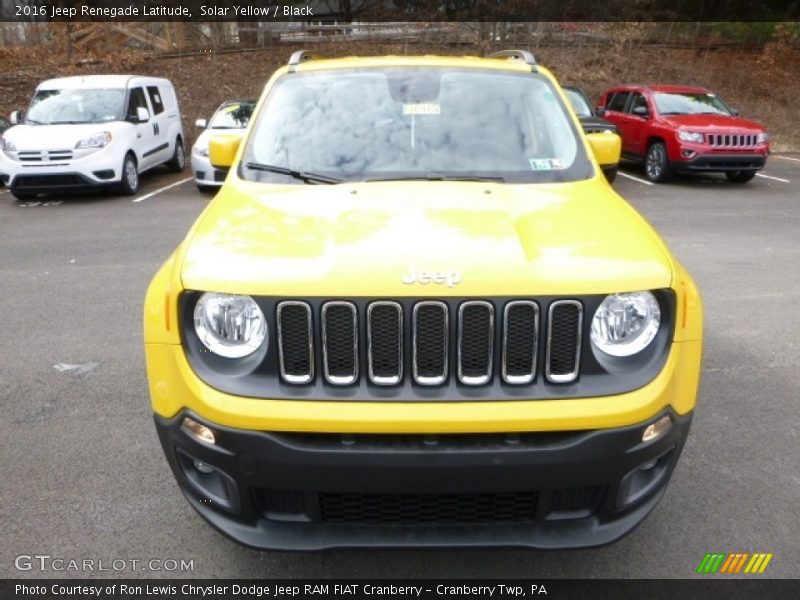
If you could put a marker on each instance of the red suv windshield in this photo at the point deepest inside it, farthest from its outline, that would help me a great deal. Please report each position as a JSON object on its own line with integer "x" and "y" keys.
{"x": 689, "y": 104}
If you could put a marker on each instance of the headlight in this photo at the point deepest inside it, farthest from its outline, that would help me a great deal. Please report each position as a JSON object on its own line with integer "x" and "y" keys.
{"x": 762, "y": 138}
{"x": 97, "y": 140}
{"x": 201, "y": 150}
{"x": 690, "y": 136}
{"x": 7, "y": 145}
{"x": 230, "y": 326}
{"x": 625, "y": 324}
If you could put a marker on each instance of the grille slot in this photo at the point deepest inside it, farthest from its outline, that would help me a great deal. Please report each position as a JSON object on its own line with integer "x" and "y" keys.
{"x": 385, "y": 342}
{"x": 428, "y": 509}
{"x": 520, "y": 341}
{"x": 564, "y": 326}
{"x": 295, "y": 342}
{"x": 340, "y": 342}
{"x": 732, "y": 140}
{"x": 44, "y": 155}
{"x": 430, "y": 344}
{"x": 475, "y": 342}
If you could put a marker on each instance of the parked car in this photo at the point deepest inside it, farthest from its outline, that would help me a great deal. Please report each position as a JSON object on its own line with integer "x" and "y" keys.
{"x": 4, "y": 124}
{"x": 417, "y": 314}
{"x": 231, "y": 117}
{"x": 93, "y": 131}
{"x": 684, "y": 129}
{"x": 591, "y": 123}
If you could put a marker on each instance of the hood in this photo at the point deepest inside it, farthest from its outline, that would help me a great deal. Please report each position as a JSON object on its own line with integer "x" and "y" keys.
{"x": 713, "y": 123}
{"x": 364, "y": 239}
{"x": 202, "y": 139}
{"x": 58, "y": 137}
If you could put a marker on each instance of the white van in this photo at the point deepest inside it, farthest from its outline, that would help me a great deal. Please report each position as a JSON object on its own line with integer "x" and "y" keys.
{"x": 92, "y": 131}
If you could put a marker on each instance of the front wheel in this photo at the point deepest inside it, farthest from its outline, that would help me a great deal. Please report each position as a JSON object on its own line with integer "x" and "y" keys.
{"x": 130, "y": 176}
{"x": 178, "y": 160}
{"x": 740, "y": 176}
{"x": 656, "y": 164}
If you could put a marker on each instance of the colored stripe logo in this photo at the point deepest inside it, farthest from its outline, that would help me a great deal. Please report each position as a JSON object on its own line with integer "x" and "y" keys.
{"x": 734, "y": 563}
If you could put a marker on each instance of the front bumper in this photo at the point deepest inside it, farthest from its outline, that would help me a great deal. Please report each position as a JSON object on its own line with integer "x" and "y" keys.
{"x": 204, "y": 174}
{"x": 314, "y": 491}
{"x": 720, "y": 163}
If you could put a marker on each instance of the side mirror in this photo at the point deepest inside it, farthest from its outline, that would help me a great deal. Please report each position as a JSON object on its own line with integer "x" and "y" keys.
{"x": 142, "y": 115}
{"x": 15, "y": 118}
{"x": 606, "y": 147}
{"x": 640, "y": 111}
{"x": 222, "y": 150}
{"x": 201, "y": 123}
{"x": 735, "y": 112}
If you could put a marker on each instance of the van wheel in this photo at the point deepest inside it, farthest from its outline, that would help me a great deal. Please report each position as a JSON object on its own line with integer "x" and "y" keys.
{"x": 656, "y": 164}
{"x": 740, "y": 176}
{"x": 130, "y": 176}
{"x": 178, "y": 160}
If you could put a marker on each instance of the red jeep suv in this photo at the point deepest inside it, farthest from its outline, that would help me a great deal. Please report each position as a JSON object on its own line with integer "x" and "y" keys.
{"x": 684, "y": 129}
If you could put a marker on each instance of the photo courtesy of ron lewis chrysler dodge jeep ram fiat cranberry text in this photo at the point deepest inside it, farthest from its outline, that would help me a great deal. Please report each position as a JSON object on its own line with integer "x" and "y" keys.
{"x": 417, "y": 314}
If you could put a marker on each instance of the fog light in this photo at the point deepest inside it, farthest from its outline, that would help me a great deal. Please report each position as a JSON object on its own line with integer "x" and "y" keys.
{"x": 199, "y": 431}
{"x": 646, "y": 466}
{"x": 687, "y": 153}
{"x": 202, "y": 467}
{"x": 657, "y": 429}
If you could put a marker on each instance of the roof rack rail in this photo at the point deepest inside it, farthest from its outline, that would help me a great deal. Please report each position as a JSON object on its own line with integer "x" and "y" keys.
{"x": 302, "y": 56}
{"x": 523, "y": 55}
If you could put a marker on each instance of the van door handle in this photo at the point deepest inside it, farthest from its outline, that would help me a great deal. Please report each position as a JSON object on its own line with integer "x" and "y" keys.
{"x": 155, "y": 128}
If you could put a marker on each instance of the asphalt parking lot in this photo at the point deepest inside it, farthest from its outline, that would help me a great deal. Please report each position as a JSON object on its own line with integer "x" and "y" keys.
{"x": 83, "y": 475}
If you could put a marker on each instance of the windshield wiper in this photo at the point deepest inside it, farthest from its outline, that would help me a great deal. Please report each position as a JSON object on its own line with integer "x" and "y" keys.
{"x": 438, "y": 177}
{"x": 301, "y": 175}
{"x": 70, "y": 122}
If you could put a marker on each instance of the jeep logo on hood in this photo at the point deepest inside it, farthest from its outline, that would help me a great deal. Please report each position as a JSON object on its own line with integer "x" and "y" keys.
{"x": 451, "y": 278}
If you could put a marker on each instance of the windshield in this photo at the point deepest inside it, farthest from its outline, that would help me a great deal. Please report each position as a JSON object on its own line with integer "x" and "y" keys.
{"x": 51, "y": 107}
{"x": 579, "y": 103}
{"x": 233, "y": 115}
{"x": 690, "y": 104}
{"x": 414, "y": 123}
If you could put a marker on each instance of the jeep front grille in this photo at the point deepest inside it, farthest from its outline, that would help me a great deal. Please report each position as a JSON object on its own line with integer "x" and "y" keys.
{"x": 440, "y": 340}
{"x": 720, "y": 140}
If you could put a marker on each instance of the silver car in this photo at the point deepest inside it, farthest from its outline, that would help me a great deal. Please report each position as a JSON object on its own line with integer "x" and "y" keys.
{"x": 231, "y": 116}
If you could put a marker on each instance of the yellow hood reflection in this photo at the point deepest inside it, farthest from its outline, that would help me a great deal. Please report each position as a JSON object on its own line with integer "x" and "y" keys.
{"x": 363, "y": 239}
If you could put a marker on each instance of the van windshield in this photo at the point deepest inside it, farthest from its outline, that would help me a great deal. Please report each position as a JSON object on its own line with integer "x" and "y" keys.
{"x": 74, "y": 106}
{"x": 414, "y": 123}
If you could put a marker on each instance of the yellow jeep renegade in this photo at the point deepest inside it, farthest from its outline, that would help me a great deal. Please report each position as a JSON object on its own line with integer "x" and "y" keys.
{"x": 417, "y": 314}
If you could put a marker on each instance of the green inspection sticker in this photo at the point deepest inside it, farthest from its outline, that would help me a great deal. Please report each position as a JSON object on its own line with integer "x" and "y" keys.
{"x": 423, "y": 108}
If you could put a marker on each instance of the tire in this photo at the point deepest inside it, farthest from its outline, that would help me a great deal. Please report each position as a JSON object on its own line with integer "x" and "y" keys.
{"x": 656, "y": 164}
{"x": 129, "y": 184}
{"x": 23, "y": 196}
{"x": 611, "y": 173}
{"x": 178, "y": 161}
{"x": 740, "y": 176}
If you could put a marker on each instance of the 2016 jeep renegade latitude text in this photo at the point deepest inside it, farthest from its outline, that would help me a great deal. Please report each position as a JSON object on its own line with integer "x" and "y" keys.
{"x": 417, "y": 314}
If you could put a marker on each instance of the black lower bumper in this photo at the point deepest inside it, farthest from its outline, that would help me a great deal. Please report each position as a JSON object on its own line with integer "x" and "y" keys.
{"x": 719, "y": 163}
{"x": 300, "y": 491}
{"x": 61, "y": 183}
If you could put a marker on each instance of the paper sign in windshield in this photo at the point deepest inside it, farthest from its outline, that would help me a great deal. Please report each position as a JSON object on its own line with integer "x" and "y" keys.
{"x": 546, "y": 164}
{"x": 424, "y": 108}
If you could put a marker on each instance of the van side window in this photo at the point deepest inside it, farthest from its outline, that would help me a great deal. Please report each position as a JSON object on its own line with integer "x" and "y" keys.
{"x": 155, "y": 99}
{"x": 137, "y": 101}
{"x": 617, "y": 102}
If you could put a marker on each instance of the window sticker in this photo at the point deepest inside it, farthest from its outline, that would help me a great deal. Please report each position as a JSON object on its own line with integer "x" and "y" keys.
{"x": 546, "y": 164}
{"x": 423, "y": 108}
